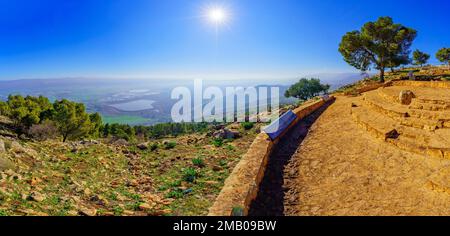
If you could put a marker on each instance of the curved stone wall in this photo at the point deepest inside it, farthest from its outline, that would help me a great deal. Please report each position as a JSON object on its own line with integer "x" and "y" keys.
{"x": 242, "y": 185}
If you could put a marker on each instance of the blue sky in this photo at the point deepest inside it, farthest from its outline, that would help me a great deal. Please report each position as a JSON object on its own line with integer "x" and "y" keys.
{"x": 167, "y": 38}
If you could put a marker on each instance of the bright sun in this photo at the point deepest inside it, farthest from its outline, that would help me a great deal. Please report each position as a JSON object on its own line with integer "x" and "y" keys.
{"x": 217, "y": 15}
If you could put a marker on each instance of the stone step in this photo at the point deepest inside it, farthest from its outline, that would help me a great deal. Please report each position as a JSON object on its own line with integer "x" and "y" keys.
{"x": 430, "y": 115}
{"x": 433, "y": 101}
{"x": 417, "y": 104}
{"x": 387, "y": 96}
{"x": 371, "y": 123}
{"x": 422, "y": 103}
{"x": 402, "y": 113}
{"x": 379, "y": 104}
{"x": 409, "y": 139}
{"x": 421, "y": 123}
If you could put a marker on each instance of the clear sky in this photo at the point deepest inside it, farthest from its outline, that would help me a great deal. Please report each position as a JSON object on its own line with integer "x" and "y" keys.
{"x": 169, "y": 38}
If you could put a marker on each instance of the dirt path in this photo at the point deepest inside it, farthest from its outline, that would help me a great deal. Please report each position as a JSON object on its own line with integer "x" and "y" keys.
{"x": 274, "y": 197}
{"x": 335, "y": 168}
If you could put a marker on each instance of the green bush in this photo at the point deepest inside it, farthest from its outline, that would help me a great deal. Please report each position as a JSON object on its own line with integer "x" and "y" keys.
{"x": 170, "y": 145}
{"x": 218, "y": 142}
{"x": 177, "y": 193}
{"x": 198, "y": 162}
{"x": 247, "y": 125}
{"x": 189, "y": 175}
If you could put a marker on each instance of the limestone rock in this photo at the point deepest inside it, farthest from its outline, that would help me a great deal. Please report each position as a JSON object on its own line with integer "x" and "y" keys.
{"x": 2, "y": 146}
{"x": 226, "y": 134}
{"x": 38, "y": 197}
{"x": 406, "y": 97}
{"x": 85, "y": 211}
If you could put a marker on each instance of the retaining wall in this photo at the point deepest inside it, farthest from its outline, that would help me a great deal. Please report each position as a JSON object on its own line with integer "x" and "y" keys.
{"x": 430, "y": 84}
{"x": 242, "y": 186}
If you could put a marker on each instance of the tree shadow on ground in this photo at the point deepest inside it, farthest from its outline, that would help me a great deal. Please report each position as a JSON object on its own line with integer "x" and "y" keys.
{"x": 277, "y": 195}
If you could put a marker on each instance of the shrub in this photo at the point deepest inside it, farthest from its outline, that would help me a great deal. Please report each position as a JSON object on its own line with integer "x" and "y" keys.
{"x": 153, "y": 146}
{"x": 198, "y": 162}
{"x": 44, "y": 131}
{"x": 177, "y": 193}
{"x": 218, "y": 142}
{"x": 189, "y": 175}
{"x": 170, "y": 145}
{"x": 247, "y": 125}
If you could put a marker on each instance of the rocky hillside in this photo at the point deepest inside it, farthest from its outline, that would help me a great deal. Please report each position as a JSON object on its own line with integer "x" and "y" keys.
{"x": 172, "y": 176}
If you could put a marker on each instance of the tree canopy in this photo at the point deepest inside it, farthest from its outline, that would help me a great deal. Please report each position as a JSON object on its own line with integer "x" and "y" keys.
{"x": 31, "y": 114}
{"x": 443, "y": 55}
{"x": 306, "y": 89}
{"x": 420, "y": 58}
{"x": 381, "y": 44}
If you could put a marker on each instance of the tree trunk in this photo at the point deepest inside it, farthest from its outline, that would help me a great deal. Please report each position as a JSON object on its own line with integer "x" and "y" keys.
{"x": 382, "y": 75}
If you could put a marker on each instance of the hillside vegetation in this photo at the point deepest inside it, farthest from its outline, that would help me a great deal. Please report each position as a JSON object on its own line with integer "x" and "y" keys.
{"x": 55, "y": 159}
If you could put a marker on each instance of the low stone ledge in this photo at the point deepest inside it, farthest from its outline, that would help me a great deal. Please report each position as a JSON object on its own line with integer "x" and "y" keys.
{"x": 242, "y": 186}
{"x": 430, "y": 84}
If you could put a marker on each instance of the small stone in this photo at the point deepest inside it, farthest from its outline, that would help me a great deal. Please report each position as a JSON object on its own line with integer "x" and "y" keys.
{"x": 217, "y": 168}
{"x": 127, "y": 213}
{"x": 87, "y": 191}
{"x": 72, "y": 213}
{"x": 145, "y": 207}
{"x": 87, "y": 211}
{"x": 34, "y": 181}
{"x": 37, "y": 197}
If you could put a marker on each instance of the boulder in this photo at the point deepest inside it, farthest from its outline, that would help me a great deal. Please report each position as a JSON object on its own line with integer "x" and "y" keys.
{"x": 406, "y": 97}
{"x": 226, "y": 134}
{"x": 120, "y": 142}
{"x": 142, "y": 146}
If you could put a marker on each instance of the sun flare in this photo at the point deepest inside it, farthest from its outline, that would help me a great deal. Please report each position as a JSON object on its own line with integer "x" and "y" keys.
{"x": 217, "y": 15}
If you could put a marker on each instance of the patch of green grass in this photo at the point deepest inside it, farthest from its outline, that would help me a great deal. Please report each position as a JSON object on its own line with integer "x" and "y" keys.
{"x": 134, "y": 206}
{"x": 229, "y": 147}
{"x": 118, "y": 211}
{"x": 223, "y": 162}
{"x": 176, "y": 193}
{"x": 112, "y": 196}
{"x": 199, "y": 162}
{"x": 218, "y": 142}
{"x": 153, "y": 146}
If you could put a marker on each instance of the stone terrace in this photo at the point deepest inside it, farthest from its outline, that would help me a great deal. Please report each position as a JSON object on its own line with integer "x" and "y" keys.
{"x": 371, "y": 155}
